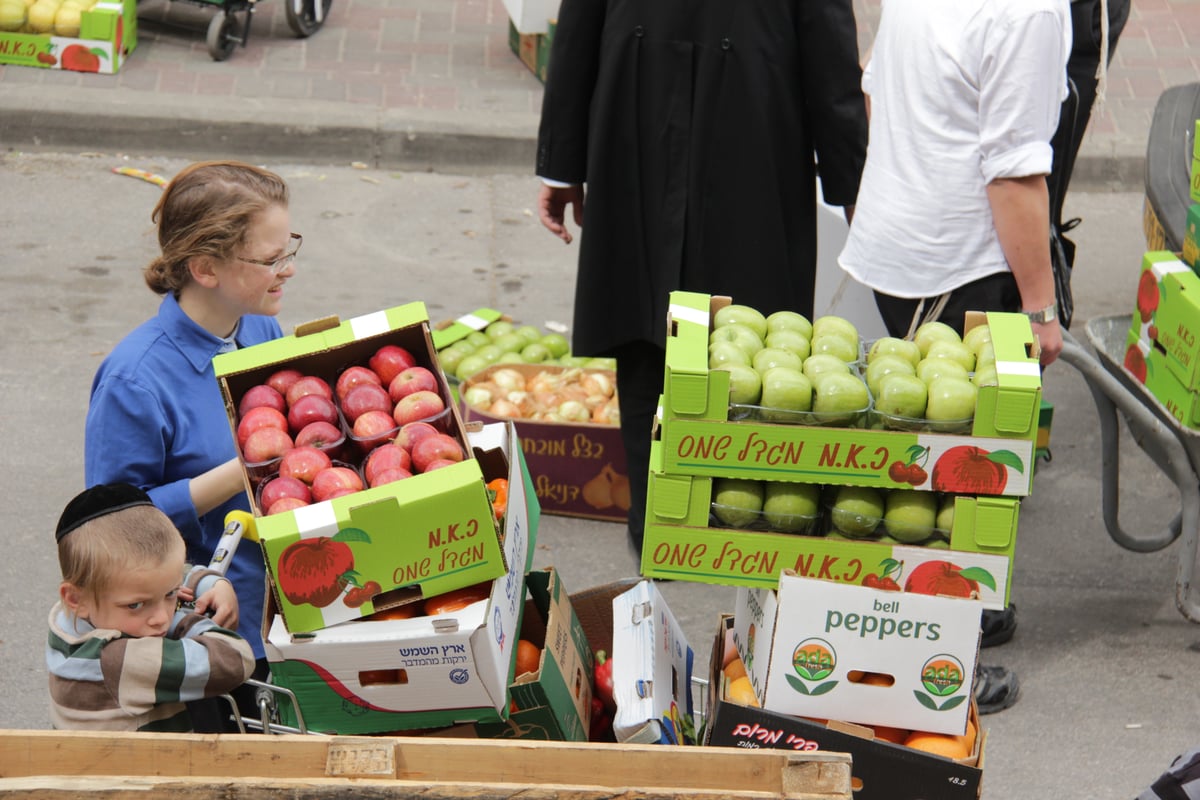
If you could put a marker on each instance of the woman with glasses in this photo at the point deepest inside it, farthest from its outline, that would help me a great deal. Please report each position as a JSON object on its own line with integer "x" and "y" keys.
{"x": 156, "y": 418}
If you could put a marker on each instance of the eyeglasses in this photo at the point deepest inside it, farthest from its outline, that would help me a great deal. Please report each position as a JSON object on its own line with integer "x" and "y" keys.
{"x": 279, "y": 264}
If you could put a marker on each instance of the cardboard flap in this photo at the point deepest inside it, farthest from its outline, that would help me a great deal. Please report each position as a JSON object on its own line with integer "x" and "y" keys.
{"x": 1014, "y": 410}
{"x": 671, "y": 495}
{"x": 995, "y": 521}
{"x": 316, "y": 325}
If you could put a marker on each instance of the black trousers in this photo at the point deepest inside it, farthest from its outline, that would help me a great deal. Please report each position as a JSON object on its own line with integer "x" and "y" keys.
{"x": 640, "y": 367}
{"x": 992, "y": 293}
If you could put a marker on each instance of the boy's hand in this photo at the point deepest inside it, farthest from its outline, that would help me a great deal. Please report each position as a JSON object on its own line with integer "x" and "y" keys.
{"x": 221, "y": 600}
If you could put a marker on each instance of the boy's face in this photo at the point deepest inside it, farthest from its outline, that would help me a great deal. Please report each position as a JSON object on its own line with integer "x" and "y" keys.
{"x": 140, "y": 603}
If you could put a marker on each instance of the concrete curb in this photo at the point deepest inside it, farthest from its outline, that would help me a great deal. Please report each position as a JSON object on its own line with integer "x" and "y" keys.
{"x": 339, "y": 133}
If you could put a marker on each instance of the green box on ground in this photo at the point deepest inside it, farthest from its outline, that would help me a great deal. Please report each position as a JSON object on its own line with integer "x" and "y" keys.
{"x": 554, "y": 703}
{"x": 881, "y": 770}
{"x": 367, "y": 676}
{"x": 434, "y": 532}
{"x": 107, "y": 35}
{"x": 698, "y": 439}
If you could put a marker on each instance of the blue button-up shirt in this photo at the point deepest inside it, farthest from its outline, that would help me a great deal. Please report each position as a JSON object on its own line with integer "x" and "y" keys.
{"x": 157, "y": 420}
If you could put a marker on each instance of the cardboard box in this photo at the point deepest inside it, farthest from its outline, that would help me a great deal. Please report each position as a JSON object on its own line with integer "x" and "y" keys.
{"x": 533, "y": 48}
{"x": 806, "y": 644}
{"x": 578, "y": 468}
{"x": 880, "y": 770}
{"x": 652, "y": 670}
{"x": 698, "y": 438}
{"x": 680, "y": 543}
{"x": 450, "y": 332}
{"x": 1176, "y": 324}
{"x": 375, "y": 676}
{"x": 531, "y": 16}
{"x": 1156, "y": 266}
{"x": 107, "y": 35}
{"x": 554, "y": 703}
{"x": 1191, "y": 238}
{"x": 433, "y": 532}
{"x": 1148, "y": 364}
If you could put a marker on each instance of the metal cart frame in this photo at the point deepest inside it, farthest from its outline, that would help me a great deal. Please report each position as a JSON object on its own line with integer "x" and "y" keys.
{"x": 230, "y": 26}
{"x": 1173, "y": 448}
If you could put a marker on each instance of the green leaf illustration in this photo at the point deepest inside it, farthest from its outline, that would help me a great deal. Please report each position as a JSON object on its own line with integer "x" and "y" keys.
{"x": 925, "y": 700}
{"x": 351, "y": 535}
{"x": 1008, "y": 458}
{"x": 979, "y": 575}
{"x": 953, "y": 702}
{"x": 797, "y": 684}
{"x": 823, "y": 688}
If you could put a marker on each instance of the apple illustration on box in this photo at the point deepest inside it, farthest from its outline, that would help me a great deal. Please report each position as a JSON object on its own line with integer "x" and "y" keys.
{"x": 316, "y": 571}
{"x": 967, "y": 469}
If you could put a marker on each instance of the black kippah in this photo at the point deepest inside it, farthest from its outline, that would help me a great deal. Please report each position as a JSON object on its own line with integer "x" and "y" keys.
{"x": 90, "y": 504}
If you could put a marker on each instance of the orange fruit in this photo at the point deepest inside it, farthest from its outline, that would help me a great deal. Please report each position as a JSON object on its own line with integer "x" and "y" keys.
{"x": 942, "y": 744}
{"x": 735, "y": 669}
{"x": 968, "y": 738}
{"x": 529, "y": 657}
{"x": 458, "y": 599}
{"x": 406, "y": 611}
{"x": 889, "y": 734}
{"x": 741, "y": 691}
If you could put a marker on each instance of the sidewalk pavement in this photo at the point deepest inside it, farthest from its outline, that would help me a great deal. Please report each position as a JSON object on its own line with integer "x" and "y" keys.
{"x": 432, "y": 84}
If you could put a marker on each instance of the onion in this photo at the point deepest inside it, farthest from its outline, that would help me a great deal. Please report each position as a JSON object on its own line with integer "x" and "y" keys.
{"x": 574, "y": 411}
{"x": 598, "y": 383}
{"x": 509, "y": 379}
{"x": 504, "y": 408}
{"x": 478, "y": 397}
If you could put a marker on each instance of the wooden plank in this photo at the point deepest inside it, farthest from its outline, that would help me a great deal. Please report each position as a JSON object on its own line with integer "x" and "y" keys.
{"x": 52, "y": 764}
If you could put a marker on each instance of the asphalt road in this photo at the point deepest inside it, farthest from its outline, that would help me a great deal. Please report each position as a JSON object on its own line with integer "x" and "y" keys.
{"x": 1107, "y": 663}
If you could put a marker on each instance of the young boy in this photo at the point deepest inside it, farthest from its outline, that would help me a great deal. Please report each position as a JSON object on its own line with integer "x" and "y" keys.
{"x": 122, "y": 654}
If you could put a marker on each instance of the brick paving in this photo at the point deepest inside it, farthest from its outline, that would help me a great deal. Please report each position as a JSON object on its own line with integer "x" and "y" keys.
{"x": 453, "y": 56}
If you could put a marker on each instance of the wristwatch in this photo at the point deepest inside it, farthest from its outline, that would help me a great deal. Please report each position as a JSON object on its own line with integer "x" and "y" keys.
{"x": 1047, "y": 314}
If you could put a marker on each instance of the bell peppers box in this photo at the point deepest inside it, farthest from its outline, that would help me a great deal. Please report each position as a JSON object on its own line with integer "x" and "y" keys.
{"x": 368, "y": 676}
{"x": 997, "y": 458}
{"x": 881, "y": 770}
{"x": 435, "y": 531}
{"x": 681, "y": 544}
{"x": 555, "y": 702}
{"x": 807, "y": 645}
{"x": 652, "y": 670}
{"x": 107, "y": 35}
{"x": 578, "y": 468}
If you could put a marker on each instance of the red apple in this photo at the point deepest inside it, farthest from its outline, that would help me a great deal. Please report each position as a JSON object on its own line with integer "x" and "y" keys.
{"x": 283, "y": 379}
{"x": 319, "y": 434}
{"x": 389, "y": 475}
{"x": 432, "y": 448}
{"x": 940, "y": 578}
{"x": 438, "y": 463}
{"x": 384, "y": 457}
{"x": 286, "y": 504}
{"x": 283, "y": 486}
{"x": 304, "y": 463}
{"x": 363, "y": 398}
{"x": 332, "y": 479}
{"x": 261, "y": 395}
{"x": 373, "y": 429}
{"x": 311, "y": 408}
{"x": 314, "y": 571}
{"x": 389, "y": 361}
{"x": 353, "y": 376}
{"x": 413, "y": 379}
{"x": 966, "y": 469}
{"x": 341, "y": 492}
{"x": 412, "y": 433}
{"x": 418, "y": 406}
{"x": 261, "y": 417}
{"x": 306, "y": 385}
{"x": 265, "y": 444}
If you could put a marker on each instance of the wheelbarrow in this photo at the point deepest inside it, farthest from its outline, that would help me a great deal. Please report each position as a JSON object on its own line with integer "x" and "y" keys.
{"x": 1174, "y": 449}
{"x": 230, "y": 26}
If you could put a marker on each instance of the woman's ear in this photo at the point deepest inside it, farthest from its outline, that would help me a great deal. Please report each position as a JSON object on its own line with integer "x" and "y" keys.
{"x": 203, "y": 271}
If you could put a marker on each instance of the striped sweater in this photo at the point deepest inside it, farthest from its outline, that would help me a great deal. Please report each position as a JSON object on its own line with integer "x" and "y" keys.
{"x": 103, "y": 680}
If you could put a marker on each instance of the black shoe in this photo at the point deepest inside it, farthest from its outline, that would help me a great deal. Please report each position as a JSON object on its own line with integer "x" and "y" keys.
{"x": 996, "y": 688}
{"x": 998, "y": 626}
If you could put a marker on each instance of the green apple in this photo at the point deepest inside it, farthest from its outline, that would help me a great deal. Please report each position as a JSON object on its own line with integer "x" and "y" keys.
{"x": 478, "y": 338}
{"x": 499, "y": 328}
{"x": 529, "y": 333}
{"x": 745, "y": 385}
{"x": 835, "y": 345}
{"x": 741, "y": 335}
{"x": 955, "y": 351}
{"x": 910, "y": 515}
{"x": 950, "y": 399}
{"x": 573, "y": 361}
{"x": 721, "y": 353}
{"x": 769, "y": 357}
{"x": 509, "y": 342}
{"x": 929, "y": 332}
{"x": 470, "y": 365}
{"x": 945, "y": 515}
{"x": 792, "y": 341}
{"x": 601, "y": 362}
{"x": 837, "y": 394}
{"x": 856, "y": 511}
{"x": 930, "y": 369}
{"x": 489, "y": 353}
{"x": 976, "y": 337}
{"x": 823, "y": 363}
{"x": 789, "y": 321}
{"x": 557, "y": 344}
{"x": 986, "y": 354}
{"x": 838, "y": 326}
{"x": 985, "y": 376}
{"x": 902, "y": 395}
{"x": 450, "y": 358}
{"x": 536, "y": 353}
{"x": 883, "y": 365}
{"x": 893, "y": 346}
{"x": 734, "y": 313}
{"x": 790, "y": 507}
{"x": 737, "y": 502}
{"x": 511, "y": 357}
{"x": 786, "y": 389}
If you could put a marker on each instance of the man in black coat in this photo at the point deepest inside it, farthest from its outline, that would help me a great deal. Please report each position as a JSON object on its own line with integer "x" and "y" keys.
{"x": 696, "y": 127}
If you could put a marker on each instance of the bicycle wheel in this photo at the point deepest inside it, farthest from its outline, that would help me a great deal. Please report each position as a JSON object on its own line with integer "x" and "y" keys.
{"x": 305, "y": 17}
